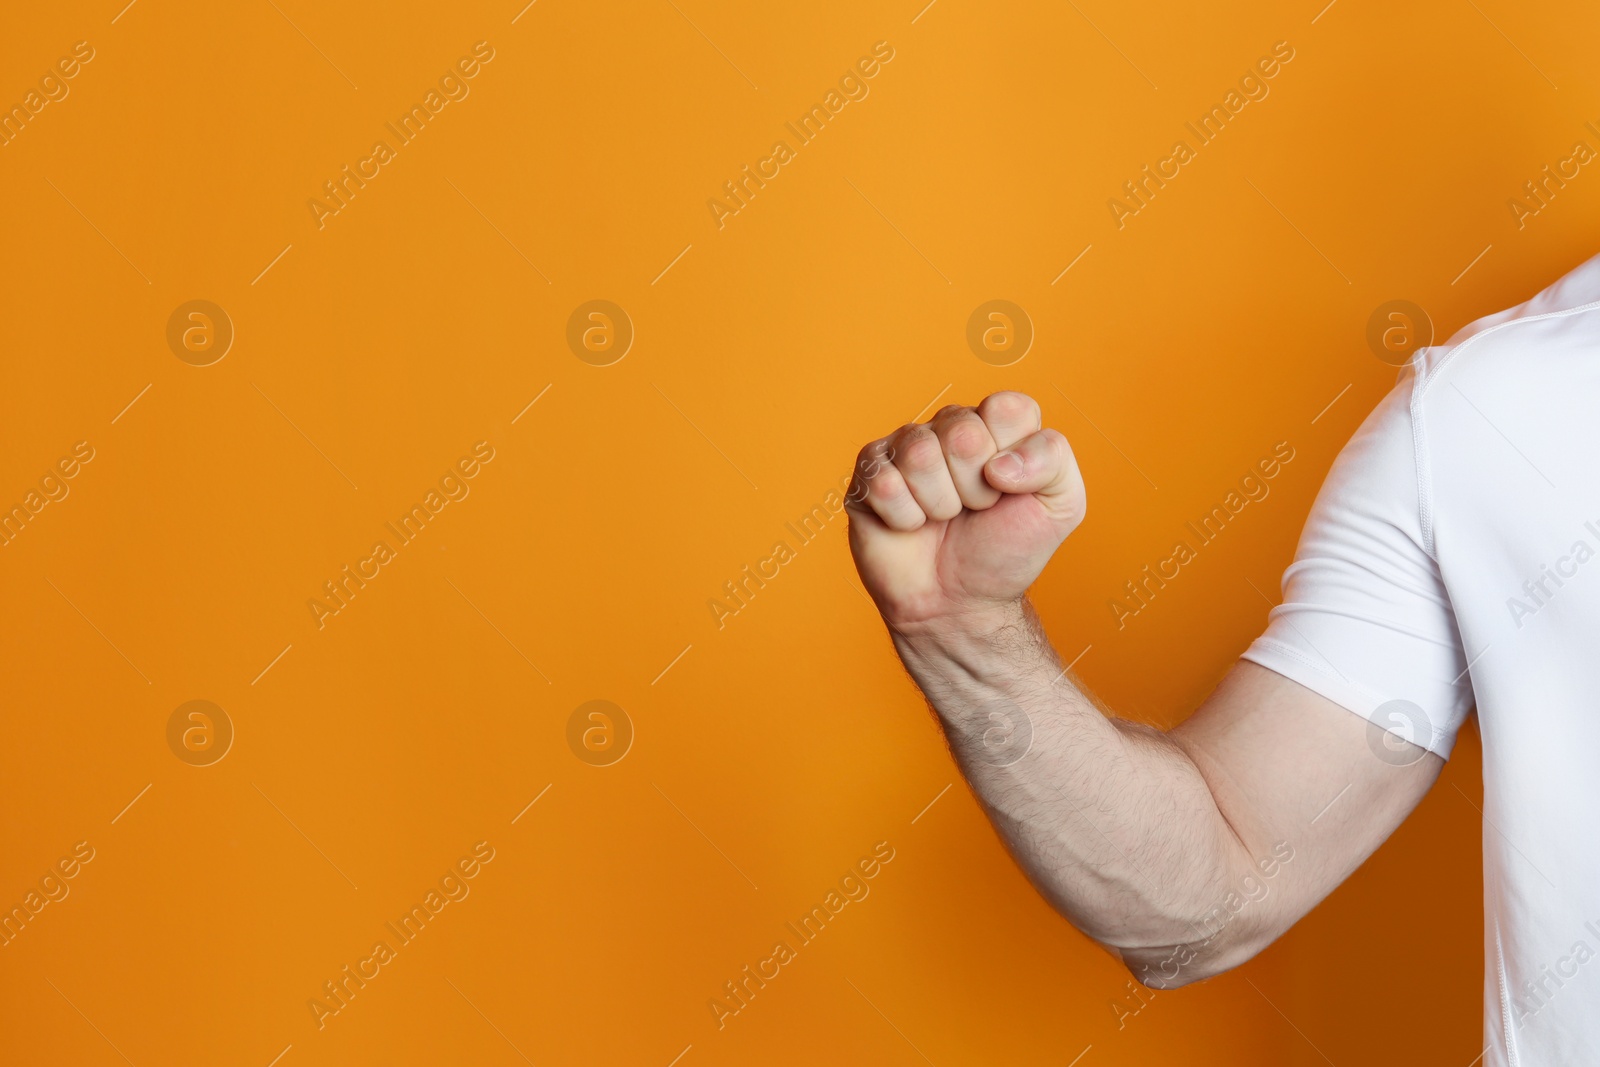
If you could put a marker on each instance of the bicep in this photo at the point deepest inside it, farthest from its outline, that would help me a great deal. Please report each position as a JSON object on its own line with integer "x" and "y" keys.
{"x": 1338, "y": 718}
{"x": 1299, "y": 776}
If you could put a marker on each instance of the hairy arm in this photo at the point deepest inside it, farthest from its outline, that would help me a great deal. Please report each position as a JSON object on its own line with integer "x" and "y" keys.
{"x": 1186, "y": 852}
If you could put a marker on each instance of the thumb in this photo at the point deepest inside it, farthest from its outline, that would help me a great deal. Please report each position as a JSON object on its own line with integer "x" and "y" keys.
{"x": 1042, "y": 464}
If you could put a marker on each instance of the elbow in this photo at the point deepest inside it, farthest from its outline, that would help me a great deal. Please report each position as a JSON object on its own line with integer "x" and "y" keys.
{"x": 1172, "y": 966}
{"x": 1167, "y": 970}
{"x": 1170, "y": 972}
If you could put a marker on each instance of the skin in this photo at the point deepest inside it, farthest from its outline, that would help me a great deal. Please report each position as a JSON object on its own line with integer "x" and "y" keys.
{"x": 1184, "y": 852}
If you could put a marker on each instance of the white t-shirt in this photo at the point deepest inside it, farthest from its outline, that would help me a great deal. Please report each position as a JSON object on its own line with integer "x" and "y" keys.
{"x": 1452, "y": 559}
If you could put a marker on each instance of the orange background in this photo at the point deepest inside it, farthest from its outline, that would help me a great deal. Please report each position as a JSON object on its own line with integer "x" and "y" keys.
{"x": 424, "y": 717}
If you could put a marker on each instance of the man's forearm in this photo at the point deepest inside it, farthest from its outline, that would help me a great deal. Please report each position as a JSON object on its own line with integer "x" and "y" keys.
{"x": 1158, "y": 845}
{"x": 1111, "y": 820}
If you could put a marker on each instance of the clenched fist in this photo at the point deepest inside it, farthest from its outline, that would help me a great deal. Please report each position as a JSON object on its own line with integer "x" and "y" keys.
{"x": 956, "y": 516}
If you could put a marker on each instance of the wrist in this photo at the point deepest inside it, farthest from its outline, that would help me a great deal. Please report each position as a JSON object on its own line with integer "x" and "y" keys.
{"x": 987, "y": 674}
{"x": 997, "y": 645}
{"x": 978, "y": 622}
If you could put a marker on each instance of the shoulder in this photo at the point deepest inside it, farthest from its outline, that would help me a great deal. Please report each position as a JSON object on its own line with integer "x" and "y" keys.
{"x": 1561, "y": 319}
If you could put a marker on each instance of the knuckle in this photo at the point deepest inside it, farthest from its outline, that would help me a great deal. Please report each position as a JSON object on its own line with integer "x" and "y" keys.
{"x": 919, "y": 451}
{"x": 872, "y": 457}
{"x": 969, "y": 440}
{"x": 1011, "y": 406}
{"x": 922, "y": 456}
{"x": 886, "y": 491}
{"x": 878, "y": 479}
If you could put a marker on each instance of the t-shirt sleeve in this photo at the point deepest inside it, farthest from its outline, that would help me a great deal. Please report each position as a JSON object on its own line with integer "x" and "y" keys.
{"x": 1365, "y": 620}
